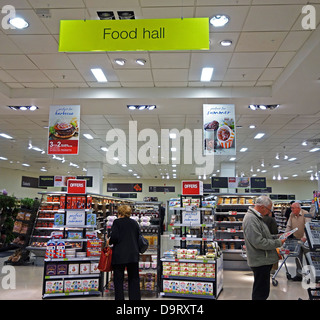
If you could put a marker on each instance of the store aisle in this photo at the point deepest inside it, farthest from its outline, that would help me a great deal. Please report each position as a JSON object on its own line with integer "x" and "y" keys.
{"x": 236, "y": 284}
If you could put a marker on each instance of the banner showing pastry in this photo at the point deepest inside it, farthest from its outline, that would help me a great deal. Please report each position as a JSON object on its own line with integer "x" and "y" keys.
{"x": 64, "y": 129}
{"x": 219, "y": 134}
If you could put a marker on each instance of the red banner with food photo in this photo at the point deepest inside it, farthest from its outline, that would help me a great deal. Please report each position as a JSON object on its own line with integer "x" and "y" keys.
{"x": 219, "y": 135}
{"x": 64, "y": 129}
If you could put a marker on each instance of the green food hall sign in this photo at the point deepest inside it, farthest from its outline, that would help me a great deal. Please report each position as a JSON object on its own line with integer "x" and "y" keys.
{"x": 134, "y": 35}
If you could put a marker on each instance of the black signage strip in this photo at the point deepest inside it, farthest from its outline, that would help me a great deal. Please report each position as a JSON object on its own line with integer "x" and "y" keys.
{"x": 124, "y": 187}
{"x": 162, "y": 189}
{"x": 46, "y": 181}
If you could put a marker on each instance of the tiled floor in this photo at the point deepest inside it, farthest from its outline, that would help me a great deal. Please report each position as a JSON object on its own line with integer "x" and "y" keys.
{"x": 236, "y": 284}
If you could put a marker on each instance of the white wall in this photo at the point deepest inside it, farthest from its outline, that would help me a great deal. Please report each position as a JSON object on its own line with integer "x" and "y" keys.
{"x": 11, "y": 181}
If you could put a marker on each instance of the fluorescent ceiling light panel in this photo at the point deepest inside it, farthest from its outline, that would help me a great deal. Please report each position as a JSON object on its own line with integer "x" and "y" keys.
{"x": 4, "y": 135}
{"x": 3, "y": 158}
{"x": 259, "y": 135}
{"x": 88, "y": 136}
{"x": 99, "y": 75}
{"x": 206, "y": 74}
{"x": 243, "y": 149}
{"x": 314, "y": 149}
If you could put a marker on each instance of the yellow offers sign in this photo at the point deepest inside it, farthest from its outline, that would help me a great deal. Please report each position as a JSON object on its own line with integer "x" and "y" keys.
{"x": 134, "y": 35}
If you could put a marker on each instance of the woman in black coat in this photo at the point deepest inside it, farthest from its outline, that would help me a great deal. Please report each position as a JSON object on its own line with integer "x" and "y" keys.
{"x": 124, "y": 237}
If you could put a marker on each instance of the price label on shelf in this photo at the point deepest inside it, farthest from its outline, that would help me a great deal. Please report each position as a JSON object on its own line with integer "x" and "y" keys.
{"x": 233, "y": 213}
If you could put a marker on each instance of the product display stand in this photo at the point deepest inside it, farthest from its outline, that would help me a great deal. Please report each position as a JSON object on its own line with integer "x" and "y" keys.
{"x": 195, "y": 269}
{"x": 312, "y": 230}
{"x": 230, "y": 212}
{"x": 73, "y": 252}
{"x": 54, "y": 202}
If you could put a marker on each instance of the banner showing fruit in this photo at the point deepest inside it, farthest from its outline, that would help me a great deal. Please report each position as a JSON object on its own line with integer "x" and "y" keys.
{"x": 219, "y": 136}
{"x": 64, "y": 129}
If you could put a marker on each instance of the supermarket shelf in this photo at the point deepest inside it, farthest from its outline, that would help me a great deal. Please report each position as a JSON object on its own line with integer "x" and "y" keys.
{"x": 213, "y": 261}
{"x": 189, "y": 278}
{"x": 73, "y": 259}
{"x": 66, "y": 294}
{"x": 191, "y": 239}
{"x": 73, "y": 276}
{"x": 185, "y": 295}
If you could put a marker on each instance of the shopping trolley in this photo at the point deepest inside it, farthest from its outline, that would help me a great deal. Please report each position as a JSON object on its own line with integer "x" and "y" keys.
{"x": 291, "y": 248}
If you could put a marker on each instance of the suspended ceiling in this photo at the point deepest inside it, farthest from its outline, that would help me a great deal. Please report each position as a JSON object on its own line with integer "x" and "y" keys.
{"x": 272, "y": 60}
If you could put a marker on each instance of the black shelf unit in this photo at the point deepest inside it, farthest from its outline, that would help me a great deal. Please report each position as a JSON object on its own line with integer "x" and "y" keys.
{"x": 149, "y": 264}
{"x": 229, "y": 215}
{"x": 188, "y": 276}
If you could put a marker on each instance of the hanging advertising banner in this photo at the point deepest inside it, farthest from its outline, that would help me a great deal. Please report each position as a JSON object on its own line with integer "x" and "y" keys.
{"x": 219, "y": 134}
{"x": 134, "y": 35}
{"x": 64, "y": 130}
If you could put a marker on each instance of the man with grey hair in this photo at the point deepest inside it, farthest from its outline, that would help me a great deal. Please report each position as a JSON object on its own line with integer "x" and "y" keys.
{"x": 298, "y": 220}
{"x": 261, "y": 246}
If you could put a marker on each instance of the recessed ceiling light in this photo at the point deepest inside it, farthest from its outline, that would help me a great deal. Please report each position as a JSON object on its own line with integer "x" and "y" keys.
{"x": 259, "y": 136}
{"x": 104, "y": 149}
{"x": 25, "y": 164}
{"x": 88, "y": 136}
{"x": 263, "y": 107}
{"x": 3, "y": 158}
{"x": 232, "y": 159}
{"x": 4, "y": 135}
{"x": 106, "y": 15}
{"x": 276, "y": 166}
{"x": 252, "y": 126}
{"x": 226, "y": 43}
{"x": 126, "y": 15}
{"x": 294, "y": 175}
{"x": 206, "y": 74}
{"x": 292, "y": 159}
{"x": 141, "y": 62}
{"x": 219, "y": 20}
{"x": 120, "y": 61}
{"x": 99, "y": 75}
{"x": 304, "y": 143}
{"x": 253, "y": 107}
{"x": 243, "y": 149}
{"x": 18, "y": 23}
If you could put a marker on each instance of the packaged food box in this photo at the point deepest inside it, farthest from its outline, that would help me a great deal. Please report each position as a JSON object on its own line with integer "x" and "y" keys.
{"x": 73, "y": 268}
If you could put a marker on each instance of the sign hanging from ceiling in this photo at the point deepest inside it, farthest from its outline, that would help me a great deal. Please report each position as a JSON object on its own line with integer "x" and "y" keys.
{"x": 64, "y": 129}
{"x": 219, "y": 133}
{"x": 134, "y": 35}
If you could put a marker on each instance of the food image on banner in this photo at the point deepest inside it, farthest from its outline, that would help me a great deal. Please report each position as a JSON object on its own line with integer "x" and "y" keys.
{"x": 219, "y": 134}
{"x": 64, "y": 129}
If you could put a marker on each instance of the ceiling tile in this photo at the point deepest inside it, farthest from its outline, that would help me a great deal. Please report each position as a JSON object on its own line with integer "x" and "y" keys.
{"x": 64, "y": 75}
{"x": 35, "y": 43}
{"x": 260, "y": 41}
{"x": 250, "y": 60}
{"x": 272, "y": 18}
{"x": 170, "y": 75}
{"x": 51, "y": 61}
{"x": 15, "y": 61}
{"x": 281, "y": 59}
{"x": 170, "y": 60}
{"x": 35, "y": 76}
{"x": 271, "y": 74}
{"x": 243, "y": 74}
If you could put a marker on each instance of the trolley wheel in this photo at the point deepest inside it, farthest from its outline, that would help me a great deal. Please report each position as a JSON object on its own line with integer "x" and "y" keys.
{"x": 289, "y": 276}
{"x": 274, "y": 282}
